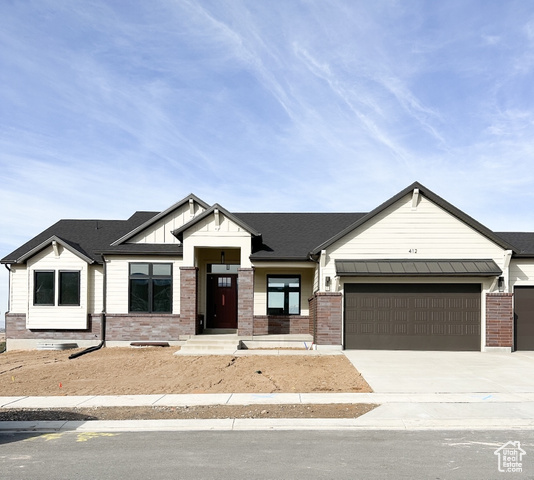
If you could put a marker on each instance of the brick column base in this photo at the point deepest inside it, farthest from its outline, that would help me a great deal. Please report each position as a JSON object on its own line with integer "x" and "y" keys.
{"x": 188, "y": 301}
{"x": 245, "y": 302}
{"x": 499, "y": 320}
{"x": 326, "y": 313}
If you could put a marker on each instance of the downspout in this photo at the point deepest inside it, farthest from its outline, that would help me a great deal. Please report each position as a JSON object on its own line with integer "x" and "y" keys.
{"x": 102, "y": 320}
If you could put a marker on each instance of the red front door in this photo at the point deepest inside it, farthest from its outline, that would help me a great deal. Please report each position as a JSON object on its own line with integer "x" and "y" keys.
{"x": 222, "y": 301}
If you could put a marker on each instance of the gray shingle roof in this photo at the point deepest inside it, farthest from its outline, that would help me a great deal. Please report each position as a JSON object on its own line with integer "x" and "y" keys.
{"x": 523, "y": 241}
{"x": 291, "y": 236}
{"x": 283, "y": 236}
{"x": 86, "y": 236}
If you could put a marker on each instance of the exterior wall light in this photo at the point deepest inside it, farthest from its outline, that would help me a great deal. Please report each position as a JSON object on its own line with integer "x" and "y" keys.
{"x": 327, "y": 283}
{"x": 500, "y": 284}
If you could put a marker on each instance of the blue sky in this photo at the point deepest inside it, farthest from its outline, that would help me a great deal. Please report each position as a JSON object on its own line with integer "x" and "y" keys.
{"x": 108, "y": 107}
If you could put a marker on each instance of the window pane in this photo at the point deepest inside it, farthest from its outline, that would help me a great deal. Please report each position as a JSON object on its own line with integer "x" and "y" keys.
{"x": 139, "y": 295}
{"x": 69, "y": 288}
{"x": 162, "y": 295}
{"x": 283, "y": 295}
{"x": 293, "y": 282}
{"x": 277, "y": 282}
{"x": 161, "y": 269}
{"x": 138, "y": 269}
{"x": 43, "y": 288}
{"x": 294, "y": 300}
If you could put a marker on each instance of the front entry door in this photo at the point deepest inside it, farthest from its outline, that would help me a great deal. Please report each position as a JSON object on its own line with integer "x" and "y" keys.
{"x": 222, "y": 301}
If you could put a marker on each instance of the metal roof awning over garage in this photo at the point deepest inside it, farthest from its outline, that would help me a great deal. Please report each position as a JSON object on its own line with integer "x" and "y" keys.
{"x": 419, "y": 268}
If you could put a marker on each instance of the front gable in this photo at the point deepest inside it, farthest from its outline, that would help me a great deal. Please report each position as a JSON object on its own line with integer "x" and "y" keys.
{"x": 216, "y": 228}
{"x": 415, "y": 227}
{"x": 158, "y": 230}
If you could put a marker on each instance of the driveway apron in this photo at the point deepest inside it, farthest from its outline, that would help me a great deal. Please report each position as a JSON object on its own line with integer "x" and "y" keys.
{"x": 401, "y": 371}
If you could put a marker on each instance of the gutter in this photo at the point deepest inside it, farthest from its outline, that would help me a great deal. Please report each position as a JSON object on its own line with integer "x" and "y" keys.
{"x": 102, "y": 321}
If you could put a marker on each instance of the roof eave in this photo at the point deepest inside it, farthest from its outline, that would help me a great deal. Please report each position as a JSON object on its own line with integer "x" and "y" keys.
{"x": 49, "y": 241}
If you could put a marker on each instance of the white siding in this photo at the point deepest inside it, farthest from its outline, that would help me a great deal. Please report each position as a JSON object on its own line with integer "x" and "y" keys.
{"x": 160, "y": 232}
{"x": 521, "y": 272}
{"x": 260, "y": 287}
{"x": 95, "y": 286}
{"x": 18, "y": 302}
{"x": 429, "y": 232}
{"x": 118, "y": 280}
{"x": 58, "y": 317}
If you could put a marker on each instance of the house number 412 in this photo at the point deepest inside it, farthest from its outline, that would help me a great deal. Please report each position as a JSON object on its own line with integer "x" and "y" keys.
{"x": 412, "y": 250}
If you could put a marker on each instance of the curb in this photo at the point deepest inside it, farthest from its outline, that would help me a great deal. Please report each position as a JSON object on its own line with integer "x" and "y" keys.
{"x": 265, "y": 424}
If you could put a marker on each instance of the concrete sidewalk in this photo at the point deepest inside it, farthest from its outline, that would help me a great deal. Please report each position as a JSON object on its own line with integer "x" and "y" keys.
{"x": 396, "y": 411}
{"x": 414, "y": 391}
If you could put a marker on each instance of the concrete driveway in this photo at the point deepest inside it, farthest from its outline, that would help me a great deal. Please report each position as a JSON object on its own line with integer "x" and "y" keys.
{"x": 389, "y": 371}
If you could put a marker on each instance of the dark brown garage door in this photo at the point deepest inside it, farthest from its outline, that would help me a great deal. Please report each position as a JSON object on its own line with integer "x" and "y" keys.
{"x": 412, "y": 316}
{"x": 524, "y": 318}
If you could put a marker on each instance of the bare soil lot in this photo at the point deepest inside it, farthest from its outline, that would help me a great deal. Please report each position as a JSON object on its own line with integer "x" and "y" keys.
{"x": 193, "y": 412}
{"x": 133, "y": 371}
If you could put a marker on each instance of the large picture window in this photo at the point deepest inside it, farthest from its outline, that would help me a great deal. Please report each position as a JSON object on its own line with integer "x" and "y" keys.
{"x": 283, "y": 294}
{"x": 150, "y": 287}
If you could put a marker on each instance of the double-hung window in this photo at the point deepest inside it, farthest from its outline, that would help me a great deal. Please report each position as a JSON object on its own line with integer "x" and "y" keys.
{"x": 283, "y": 294}
{"x": 150, "y": 287}
{"x": 68, "y": 288}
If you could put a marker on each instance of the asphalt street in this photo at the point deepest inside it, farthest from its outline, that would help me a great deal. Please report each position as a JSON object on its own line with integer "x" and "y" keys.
{"x": 262, "y": 455}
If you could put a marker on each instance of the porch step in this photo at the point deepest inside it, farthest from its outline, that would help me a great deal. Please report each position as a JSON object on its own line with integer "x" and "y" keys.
{"x": 210, "y": 345}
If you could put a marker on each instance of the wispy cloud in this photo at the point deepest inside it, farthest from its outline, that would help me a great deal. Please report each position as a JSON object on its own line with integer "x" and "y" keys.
{"x": 109, "y": 107}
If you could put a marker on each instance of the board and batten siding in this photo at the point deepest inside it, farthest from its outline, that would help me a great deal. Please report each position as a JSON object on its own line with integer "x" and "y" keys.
{"x": 161, "y": 231}
{"x": 57, "y": 317}
{"x": 206, "y": 234}
{"x": 117, "y": 273}
{"x": 400, "y": 232}
{"x": 260, "y": 287}
{"x": 19, "y": 284}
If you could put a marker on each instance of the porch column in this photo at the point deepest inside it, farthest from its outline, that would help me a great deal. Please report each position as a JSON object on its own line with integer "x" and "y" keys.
{"x": 499, "y": 320}
{"x": 245, "y": 302}
{"x": 327, "y": 318}
{"x": 189, "y": 301}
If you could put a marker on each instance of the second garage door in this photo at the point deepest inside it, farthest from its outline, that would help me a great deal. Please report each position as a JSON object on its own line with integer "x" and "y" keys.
{"x": 524, "y": 318}
{"x": 412, "y": 316}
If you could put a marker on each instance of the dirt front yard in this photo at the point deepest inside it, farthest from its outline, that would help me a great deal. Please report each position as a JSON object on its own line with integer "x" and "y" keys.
{"x": 134, "y": 371}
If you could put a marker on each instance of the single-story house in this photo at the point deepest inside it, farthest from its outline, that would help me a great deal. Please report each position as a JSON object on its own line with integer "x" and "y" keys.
{"x": 414, "y": 273}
